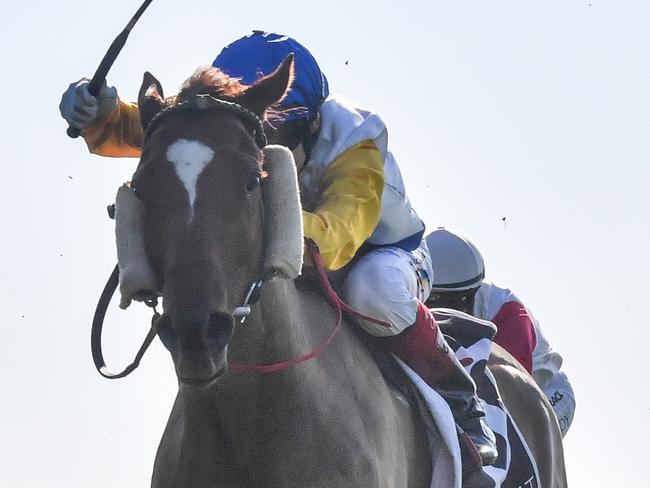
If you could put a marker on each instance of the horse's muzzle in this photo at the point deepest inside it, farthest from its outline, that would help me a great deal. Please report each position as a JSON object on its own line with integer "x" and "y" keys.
{"x": 198, "y": 347}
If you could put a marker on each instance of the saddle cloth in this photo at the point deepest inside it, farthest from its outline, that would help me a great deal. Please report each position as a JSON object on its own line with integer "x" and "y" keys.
{"x": 471, "y": 342}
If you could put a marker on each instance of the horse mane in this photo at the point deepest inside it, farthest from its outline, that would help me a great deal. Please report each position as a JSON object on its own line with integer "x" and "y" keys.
{"x": 208, "y": 80}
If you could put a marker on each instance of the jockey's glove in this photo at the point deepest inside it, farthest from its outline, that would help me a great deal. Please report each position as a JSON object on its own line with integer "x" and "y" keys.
{"x": 79, "y": 108}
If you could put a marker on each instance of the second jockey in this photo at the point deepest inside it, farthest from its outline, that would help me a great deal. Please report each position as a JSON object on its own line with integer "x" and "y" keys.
{"x": 458, "y": 284}
{"x": 355, "y": 207}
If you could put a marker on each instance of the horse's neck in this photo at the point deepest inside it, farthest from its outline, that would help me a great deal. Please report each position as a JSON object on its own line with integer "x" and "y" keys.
{"x": 284, "y": 324}
{"x": 280, "y": 325}
{"x": 277, "y": 429}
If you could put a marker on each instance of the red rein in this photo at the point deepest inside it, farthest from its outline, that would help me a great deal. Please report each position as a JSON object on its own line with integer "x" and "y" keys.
{"x": 340, "y": 307}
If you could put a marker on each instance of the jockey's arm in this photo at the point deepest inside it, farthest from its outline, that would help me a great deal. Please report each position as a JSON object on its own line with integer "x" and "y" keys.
{"x": 349, "y": 206}
{"x": 516, "y": 323}
{"x": 516, "y": 332}
{"x": 553, "y": 381}
{"x": 117, "y": 135}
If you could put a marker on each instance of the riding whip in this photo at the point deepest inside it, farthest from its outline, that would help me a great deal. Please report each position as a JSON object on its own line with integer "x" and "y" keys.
{"x": 95, "y": 85}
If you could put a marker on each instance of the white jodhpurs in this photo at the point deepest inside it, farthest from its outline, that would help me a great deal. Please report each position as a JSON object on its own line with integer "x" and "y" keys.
{"x": 386, "y": 284}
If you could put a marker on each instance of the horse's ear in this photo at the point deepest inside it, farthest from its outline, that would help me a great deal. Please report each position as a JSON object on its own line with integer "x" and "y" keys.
{"x": 270, "y": 89}
{"x": 150, "y": 99}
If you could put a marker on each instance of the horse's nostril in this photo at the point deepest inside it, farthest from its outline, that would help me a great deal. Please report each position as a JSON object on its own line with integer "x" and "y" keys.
{"x": 220, "y": 328}
{"x": 166, "y": 332}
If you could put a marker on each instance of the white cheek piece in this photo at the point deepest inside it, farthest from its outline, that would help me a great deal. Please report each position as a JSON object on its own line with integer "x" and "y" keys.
{"x": 137, "y": 279}
{"x": 283, "y": 232}
{"x": 283, "y": 226}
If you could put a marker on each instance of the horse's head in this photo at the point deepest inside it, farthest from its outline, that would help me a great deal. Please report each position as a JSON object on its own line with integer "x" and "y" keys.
{"x": 200, "y": 179}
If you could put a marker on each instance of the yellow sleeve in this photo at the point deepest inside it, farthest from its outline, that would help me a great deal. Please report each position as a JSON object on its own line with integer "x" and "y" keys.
{"x": 349, "y": 206}
{"x": 117, "y": 135}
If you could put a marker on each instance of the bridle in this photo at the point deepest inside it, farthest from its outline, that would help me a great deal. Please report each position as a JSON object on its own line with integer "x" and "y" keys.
{"x": 200, "y": 102}
{"x": 204, "y": 102}
{"x": 241, "y": 312}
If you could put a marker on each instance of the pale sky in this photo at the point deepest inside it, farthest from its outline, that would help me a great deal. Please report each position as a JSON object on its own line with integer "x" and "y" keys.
{"x": 533, "y": 111}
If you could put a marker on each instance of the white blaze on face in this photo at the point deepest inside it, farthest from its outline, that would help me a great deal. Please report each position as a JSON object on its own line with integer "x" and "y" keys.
{"x": 189, "y": 158}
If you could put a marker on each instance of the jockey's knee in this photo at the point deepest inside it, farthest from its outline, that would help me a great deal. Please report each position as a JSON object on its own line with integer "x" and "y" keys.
{"x": 380, "y": 292}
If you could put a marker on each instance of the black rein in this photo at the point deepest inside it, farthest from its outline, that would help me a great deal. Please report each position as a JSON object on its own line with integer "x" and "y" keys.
{"x": 98, "y": 322}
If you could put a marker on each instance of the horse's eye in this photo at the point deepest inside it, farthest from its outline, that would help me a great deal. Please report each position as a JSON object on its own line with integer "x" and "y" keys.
{"x": 252, "y": 184}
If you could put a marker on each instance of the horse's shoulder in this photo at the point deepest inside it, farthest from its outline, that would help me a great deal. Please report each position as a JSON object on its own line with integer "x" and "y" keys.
{"x": 502, "y": 359}
{"x": 510, "y": 375}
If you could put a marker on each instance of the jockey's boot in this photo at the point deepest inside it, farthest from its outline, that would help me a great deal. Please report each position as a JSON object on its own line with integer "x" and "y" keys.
{"x": 423, "y": 347}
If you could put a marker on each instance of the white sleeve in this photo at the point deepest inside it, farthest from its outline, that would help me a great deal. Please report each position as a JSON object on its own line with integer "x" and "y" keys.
{"x": 546, "y": 361}
{"x": 560, "y": 395}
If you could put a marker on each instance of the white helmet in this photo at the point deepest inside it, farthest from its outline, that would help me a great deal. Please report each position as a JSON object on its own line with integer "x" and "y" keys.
{"x": 457, "y": 264}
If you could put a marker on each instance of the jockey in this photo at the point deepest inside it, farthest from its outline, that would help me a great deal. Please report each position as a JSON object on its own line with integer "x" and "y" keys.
{"x": 355, "y": 207}
{"x": 458, "y": 284}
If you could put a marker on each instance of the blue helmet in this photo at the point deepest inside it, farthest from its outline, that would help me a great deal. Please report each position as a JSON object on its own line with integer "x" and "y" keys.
{"x": 259, "y": 53}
